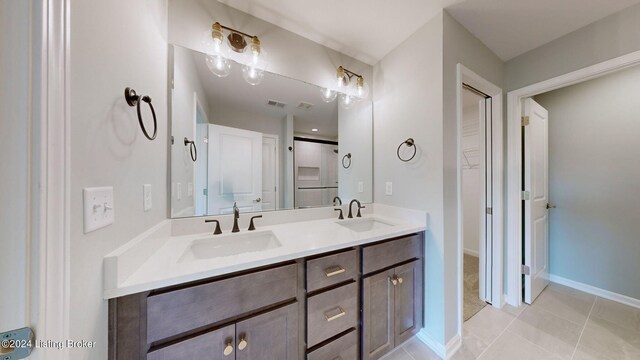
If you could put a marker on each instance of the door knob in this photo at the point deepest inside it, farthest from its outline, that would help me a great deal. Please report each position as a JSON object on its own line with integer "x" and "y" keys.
{"x": 550, "y": 206}
{"x": 400, "y": 280}
{"x": 394, "y": 281}
{"x": 258, "y": 200}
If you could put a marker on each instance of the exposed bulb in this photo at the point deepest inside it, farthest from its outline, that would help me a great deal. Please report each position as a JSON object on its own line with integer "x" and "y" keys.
{"x": 218, "y": 65}
{"x": 252, "y": 74}
{"x": 361, "y": 88}
{"x": 341, "y": 79}
{"x": 347, "y": 100}
{"x": 328, "y": 95}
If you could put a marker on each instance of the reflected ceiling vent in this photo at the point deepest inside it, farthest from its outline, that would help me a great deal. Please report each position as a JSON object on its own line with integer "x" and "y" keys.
{"x": 305, "y": 106}
{"x": 275, "y": 103}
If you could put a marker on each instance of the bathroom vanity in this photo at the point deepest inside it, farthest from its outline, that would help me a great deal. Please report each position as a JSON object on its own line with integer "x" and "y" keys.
{"x": 354, "y": 296}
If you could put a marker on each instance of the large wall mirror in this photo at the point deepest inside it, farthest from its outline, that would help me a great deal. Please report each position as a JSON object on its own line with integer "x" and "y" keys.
{"x": 273, "y": 146}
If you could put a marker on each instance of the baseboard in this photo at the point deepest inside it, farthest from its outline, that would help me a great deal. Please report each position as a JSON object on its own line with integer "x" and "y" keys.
{"x": 444, "y": 351}
{"x": 606, "y": 294}
{"x": 471, "y": 252}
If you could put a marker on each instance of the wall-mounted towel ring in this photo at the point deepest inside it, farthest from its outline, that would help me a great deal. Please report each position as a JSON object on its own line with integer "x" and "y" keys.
{"x": 346, "y": 164}
{"x": 192, "y": 149}
{"x": 133, "y": 99}
{"x": 410, "y": 143}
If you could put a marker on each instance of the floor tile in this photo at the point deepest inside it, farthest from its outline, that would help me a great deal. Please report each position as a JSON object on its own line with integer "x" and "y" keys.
{"x": 554, "y": 334}
{"x": 510, "y": 346}
{"x": 622, "y": 315}
{"x": 471, "y": 348}
{"x": 567, "y": 303}
{"x": 582, "y": 355}
{"x": 419, "y": 350}
{"x": 515, "y": 311}
{"x": 488, "y": 323}
{"x": 397, "y": 354}
{"x": 605, "y": 340}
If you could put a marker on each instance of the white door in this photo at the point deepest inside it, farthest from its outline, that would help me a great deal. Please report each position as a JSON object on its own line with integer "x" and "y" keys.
{"x": 486, "y": 203}
{"x": 270, "y": 170}
{"x": 536, "y": 197}
{"x": 235, "y": 170}
{"x": 201, "y": 170}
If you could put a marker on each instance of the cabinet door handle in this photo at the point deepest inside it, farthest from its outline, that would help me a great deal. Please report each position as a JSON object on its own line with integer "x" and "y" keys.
{"x": 242, "y": 344}
{"x": 400, "y": 280}
{"x": 394, "y": 281}
{"x": 340, "y": 314}
{"x": 228, "y": 349}
{"x": 333, "y": 271}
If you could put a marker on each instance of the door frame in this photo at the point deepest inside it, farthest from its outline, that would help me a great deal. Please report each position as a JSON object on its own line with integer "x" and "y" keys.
{"x": 513, "y": 216}
{"x": 467, "y": 76}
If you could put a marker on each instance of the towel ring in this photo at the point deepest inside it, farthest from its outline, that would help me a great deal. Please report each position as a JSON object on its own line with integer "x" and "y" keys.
{"x": 133, "y": 99}
{"x": 193, "y": 151}
{"x": 410, "y": 143}
{"x": 346, "y": 157}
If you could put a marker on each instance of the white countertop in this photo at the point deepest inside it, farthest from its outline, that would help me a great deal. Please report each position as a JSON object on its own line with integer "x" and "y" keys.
{"x": 163, "y": 266}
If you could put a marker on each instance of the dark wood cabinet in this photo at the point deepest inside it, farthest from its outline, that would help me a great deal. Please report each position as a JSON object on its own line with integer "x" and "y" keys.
{"x": 211, "y": 345}
{"x": 377, "y": 315}
{"x": 270, "y": 336}
{"x": 408, "y": 301}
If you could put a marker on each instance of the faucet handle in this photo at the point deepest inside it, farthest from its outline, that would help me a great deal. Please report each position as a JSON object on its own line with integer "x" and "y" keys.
{"x": 251, "y": 226}
{"x": 217, "y": 231}
{"x": 339, "y": 217}
{"x": 360, "y": 207}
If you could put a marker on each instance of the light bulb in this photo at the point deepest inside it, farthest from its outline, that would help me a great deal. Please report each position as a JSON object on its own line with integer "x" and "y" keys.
{"x": 342, "y": 80}
{"x": 328, "y": 95}
{"x": 361, "y": 88}
{"x": 218, "y": 65}
{"x": 252, "y": 74}
{"x": 347, "y": 100}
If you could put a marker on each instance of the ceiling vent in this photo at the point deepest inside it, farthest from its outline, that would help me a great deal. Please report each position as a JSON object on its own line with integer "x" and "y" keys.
{"x": 305, "y": 106}
{"x": 275, "y": 103}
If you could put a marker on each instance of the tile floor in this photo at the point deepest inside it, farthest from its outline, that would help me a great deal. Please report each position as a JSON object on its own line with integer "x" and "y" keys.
{"x": 562, "y": 323}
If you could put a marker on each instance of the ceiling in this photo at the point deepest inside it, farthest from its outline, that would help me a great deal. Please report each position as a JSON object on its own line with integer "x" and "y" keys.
{"x": 233, "y": 92}
{"x": 369, "y": 29}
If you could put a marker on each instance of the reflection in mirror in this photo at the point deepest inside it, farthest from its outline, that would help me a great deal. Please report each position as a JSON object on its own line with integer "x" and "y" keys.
{"x": 273, "y": 146}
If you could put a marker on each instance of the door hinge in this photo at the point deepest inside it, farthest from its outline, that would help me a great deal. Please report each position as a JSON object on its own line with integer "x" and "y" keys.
{"x": 205, "y": 192}
{"x": 524, "y": 269}
{"x": 172, "y": 140}
{"x": 525, "y": 195}
{"x": 489, "y": 211}
{"x": 525, "y": 120}
{"x": 16, "y": 344}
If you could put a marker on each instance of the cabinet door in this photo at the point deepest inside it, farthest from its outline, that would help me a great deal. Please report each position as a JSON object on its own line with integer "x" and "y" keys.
{"x": 212, "y": 345}
{"x": 270, "y": 336}
{"x": 408, "y": 300}
{"x": 377, "y": 315}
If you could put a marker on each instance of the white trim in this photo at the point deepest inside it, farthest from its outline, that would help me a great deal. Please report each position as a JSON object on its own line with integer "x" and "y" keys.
{"x": 589, "y": 289}
{"x": 277, "y": 139}
{"x": 444, "y": 351}
{"x": 514, "y": 149}
{"x": 469, "y": 77}
{"x": 54, "y": 148}
{"x": 471, "y": 252}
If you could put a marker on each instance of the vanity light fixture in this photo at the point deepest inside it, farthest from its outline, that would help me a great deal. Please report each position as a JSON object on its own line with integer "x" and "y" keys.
{"x": 349, "y": 85}
{"x": 247, "y": 53}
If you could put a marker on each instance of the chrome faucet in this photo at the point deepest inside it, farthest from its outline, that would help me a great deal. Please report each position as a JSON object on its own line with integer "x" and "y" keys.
{"x": 359, "y": 207}
{"x": 236, "y": 215}
{"x": 339, "y": 200}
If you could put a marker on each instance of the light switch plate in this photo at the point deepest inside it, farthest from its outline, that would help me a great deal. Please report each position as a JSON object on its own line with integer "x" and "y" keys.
{"x": 388, "y": 188}
{"x": 147, "y": 197}
{"x": 98, "y": 208}
{"x": 360, "y": 186}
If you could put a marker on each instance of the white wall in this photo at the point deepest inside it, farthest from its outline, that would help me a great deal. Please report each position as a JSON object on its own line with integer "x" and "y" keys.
{"x": 15, "y": 121}
{"x": 613, "y": 36}
{"x": 114, "y": 44}
{"x": 355, "y": 136}
{"x": 186, "y": 83}
{"x": 593, "y": 179}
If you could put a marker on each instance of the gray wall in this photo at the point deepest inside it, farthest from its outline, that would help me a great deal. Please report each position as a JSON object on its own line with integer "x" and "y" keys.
{"x": 593, "y": 179}
{"x": 602, "y": 40}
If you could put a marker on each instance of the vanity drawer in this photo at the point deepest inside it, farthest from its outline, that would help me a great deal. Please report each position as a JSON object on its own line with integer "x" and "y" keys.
{"x": 182, "y": 310}
{"x": 344, "y": 348}
{"x": 386, "y": 254}
{"x": 332, "y": 312}
{"x": 211, "y": 345}
{"x": 330, "y": 270}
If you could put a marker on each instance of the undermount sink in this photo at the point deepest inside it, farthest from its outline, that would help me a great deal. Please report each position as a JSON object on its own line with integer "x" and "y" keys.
{"x": 228, "y": 245}
{"x": 365, "y": 224}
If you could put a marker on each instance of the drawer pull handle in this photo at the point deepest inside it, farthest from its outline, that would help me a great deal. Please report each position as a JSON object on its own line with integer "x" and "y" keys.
{"x": 228, "y": 349}
{"x": 340, "y": 314}
{"x": 333, "y": 271}
{"x": 242, "y": 344}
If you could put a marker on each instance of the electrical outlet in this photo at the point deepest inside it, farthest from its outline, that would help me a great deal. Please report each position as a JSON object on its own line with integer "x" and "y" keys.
{"x": 190, "y": 189}
{"x": 147, "y": 198}
{"x": 98, "y": 208}
{"x": 360, "y": 186}
{"x": 179, "y": 192}
{"x": 388, "y": 188}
